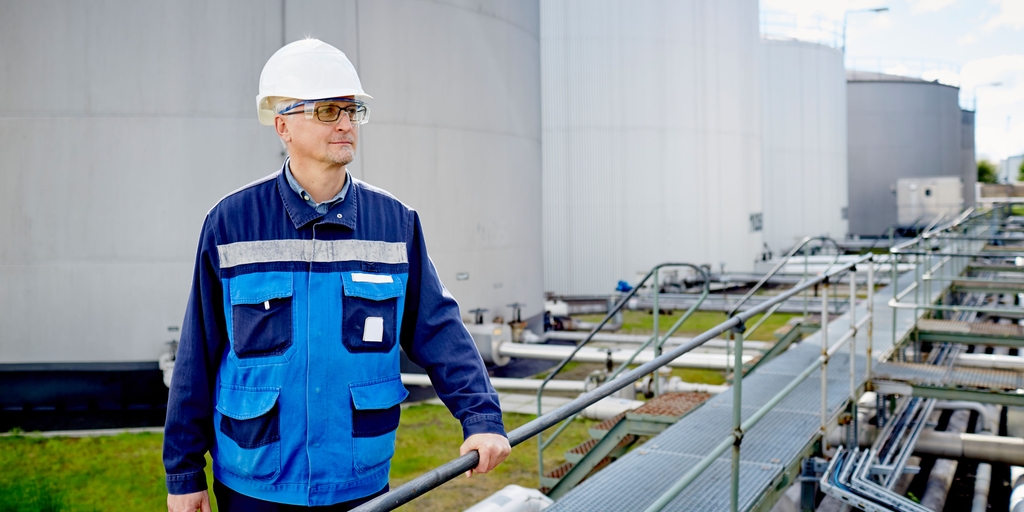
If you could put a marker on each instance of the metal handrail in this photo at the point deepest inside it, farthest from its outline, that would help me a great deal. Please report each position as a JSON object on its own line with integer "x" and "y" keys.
{"x": 452, "y": 469}
{"x": 782, "y": 263}
{"x": 740, "y": 428}
{"x": 541, "y": 444}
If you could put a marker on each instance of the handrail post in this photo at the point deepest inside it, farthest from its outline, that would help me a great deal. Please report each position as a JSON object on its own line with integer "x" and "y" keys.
{"x": 807, "y": 296}
{"x": 851, "y": 432}
{"x": 657, "y": 346}
{"x": 871, "y": 319}
{"x": 824, "y": 364}
{"x": 737, "y": 414}
{"x": 894, "y": 284}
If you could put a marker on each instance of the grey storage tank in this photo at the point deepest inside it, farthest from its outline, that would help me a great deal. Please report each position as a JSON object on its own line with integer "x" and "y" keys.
{"x": 899, "y": 127}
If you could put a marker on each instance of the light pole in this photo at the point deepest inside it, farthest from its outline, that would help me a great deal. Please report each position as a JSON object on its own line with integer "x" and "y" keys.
{"x": 974, "y": 93}
{"x": 847, "y": 13}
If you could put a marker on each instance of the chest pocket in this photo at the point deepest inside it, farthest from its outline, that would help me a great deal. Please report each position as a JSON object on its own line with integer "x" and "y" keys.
{"x": 369, "y": 311}
{"x": 261, "y": 314}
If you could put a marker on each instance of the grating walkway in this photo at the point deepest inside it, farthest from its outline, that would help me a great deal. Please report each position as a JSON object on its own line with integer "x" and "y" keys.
{"x": 778, "y": 441}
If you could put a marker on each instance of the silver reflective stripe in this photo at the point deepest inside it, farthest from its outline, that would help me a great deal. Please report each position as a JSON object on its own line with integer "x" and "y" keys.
{"x": 269, "y": 251}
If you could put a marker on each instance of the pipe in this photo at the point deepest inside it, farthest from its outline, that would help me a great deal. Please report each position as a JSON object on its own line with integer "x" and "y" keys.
{"x": 998, "y": 449}
{"x": 420, "y": 379}
{"x": 941, "y": 478}
{"x": 601, "y": 355}
{"x": 673, "y": 385}
{"x": 991, "y": 361}
{"x": 1017, "y": 483}
{"x": 989, "y": 425}
{"x": 642, "y": 338}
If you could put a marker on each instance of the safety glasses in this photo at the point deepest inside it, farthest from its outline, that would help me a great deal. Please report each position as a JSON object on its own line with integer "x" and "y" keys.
{"x": 357, "y": 111}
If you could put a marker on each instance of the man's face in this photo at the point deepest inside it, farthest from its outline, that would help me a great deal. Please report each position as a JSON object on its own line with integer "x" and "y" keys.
{"x": 326, "y": 142}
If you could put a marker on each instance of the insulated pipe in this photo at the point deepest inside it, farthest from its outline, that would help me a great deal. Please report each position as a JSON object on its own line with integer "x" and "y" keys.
{"x": 673, "y": 385}
{"x": 941, "y": 478}
{"x": 601, "y": 355}
{"x": 983, "y": 412}
{"x": 1006, "y": 450}
{"x": 991, "y": 361}
{"x": 420, "y": 379}
{"x": 1017, "y": 484}
{"x": 642, "y": 338}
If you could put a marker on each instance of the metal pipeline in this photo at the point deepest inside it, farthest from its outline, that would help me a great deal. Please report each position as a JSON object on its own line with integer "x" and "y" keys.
{"x": 673, "y": 385}
{"x": 601, "y": 355}
{"x": 940, "y": 480}
{"x": 753, "y": 346}
{"x": 1006, "y": 450}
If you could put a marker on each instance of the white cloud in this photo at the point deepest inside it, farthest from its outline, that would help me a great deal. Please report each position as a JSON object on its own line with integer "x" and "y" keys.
{"x": 920, "y": 6}
{"x": 966, "y": 39}
{"x": 1011, "y": 15}
{"x": 882, "y": 22}
{"x": 996, "y": 136}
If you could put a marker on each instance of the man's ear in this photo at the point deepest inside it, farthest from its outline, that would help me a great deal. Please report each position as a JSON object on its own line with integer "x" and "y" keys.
{"x": 283, "y": 130}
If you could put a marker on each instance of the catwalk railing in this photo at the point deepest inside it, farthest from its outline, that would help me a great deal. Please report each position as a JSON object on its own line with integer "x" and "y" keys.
{"x": 452, "y": 469}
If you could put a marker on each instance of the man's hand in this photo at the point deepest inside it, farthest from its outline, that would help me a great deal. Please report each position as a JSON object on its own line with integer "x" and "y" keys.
{"x": 189, "y": 502}
{"x": 493, "y": 449}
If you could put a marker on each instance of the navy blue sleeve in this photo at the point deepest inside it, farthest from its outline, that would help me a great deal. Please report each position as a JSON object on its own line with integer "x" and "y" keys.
{"x": 188, "y": 430}
{"x": 435, "y": 338}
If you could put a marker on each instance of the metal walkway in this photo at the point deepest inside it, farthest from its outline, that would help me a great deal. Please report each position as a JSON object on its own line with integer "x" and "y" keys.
{"x": 771, "y": 451}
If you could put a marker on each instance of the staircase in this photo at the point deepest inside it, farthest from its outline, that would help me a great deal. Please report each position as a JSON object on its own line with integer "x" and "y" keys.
{"x": 613, "y": 437}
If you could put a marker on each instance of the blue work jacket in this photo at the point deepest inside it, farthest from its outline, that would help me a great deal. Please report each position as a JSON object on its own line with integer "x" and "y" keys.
{"x": 288, "y": 366}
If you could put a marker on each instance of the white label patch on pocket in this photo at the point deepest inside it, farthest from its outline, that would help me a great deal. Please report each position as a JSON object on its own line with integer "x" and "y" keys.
{"x": 372, "y": 278}
{"x": 373, "y": 329}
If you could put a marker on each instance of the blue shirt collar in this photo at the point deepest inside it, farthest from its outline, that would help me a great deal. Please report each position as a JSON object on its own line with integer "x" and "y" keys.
{"x": 320, "y": 208}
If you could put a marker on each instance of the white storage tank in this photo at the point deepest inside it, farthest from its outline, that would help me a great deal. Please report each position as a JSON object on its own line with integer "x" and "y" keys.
{"x": 803, "y": 119}
{"x": 651, "y": 138}
{"x": 132, "y": 119}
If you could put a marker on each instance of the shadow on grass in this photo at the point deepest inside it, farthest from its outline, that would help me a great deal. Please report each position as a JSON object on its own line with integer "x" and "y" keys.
{"x": 36, "y": 495}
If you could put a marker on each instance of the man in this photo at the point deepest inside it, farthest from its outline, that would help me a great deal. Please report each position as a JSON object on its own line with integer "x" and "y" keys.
{"x": 306, "y": 283}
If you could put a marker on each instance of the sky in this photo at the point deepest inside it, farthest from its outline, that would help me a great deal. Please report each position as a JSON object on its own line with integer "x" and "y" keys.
{"x": 982, "y": 39}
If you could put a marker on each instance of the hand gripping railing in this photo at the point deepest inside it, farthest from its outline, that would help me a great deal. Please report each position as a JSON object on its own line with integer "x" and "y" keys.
{"x": 452, "y": 469}
{"x": 658, "y": 342}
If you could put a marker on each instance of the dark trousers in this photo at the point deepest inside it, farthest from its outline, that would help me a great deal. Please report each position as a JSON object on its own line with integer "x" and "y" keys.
{"x": 230, "y": 501}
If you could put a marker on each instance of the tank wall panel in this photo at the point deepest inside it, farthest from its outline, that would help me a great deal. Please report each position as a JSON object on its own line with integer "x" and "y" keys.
{"x": 651, "y": 138}
{"x": 134, "y": 119}
{"x": 803, "y": 93}
{"x": 897, "y": 130}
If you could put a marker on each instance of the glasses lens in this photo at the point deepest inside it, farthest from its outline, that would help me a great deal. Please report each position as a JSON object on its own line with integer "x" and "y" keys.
{"x": 360, "y": 114}
{"x": 328, "y": 113}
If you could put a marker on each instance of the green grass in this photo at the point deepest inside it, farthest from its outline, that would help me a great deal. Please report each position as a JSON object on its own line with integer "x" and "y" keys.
{"x": 640, "y": 322}
{"x": 125, "y": 472}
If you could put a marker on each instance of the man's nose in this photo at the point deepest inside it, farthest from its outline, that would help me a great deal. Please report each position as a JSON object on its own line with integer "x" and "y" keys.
{"x": 344, "y": 123}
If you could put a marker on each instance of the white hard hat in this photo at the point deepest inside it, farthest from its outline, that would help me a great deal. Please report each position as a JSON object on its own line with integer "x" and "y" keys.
{"x": 309, "y": 69}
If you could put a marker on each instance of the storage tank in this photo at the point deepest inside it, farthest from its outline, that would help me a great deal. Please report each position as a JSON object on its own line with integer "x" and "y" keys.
{"x": 129, "y": 121}
{"x": 803, "y": 119}
{"x": 899, "y": 127}
{"x": 970, "y": 164}
{"x": 651, "y": 138}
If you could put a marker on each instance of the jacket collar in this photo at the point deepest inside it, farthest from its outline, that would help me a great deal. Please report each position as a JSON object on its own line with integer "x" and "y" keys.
{"x": 301, "y": 213}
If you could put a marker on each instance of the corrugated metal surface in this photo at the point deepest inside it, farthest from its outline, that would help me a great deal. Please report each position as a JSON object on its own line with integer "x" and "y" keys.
{"x": 651, "y": 138}
{"x": 898, "y": 129}
{"x": 803, "y": 105}
{"x": 129, "y": 120}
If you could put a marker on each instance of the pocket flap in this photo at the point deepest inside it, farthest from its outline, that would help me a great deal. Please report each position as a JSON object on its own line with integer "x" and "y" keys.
{"x": 378, "y": 394}
{"x": 372, "y": 286}
{"x": 243, "y": 403}
{"x": 260, "y": 287}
